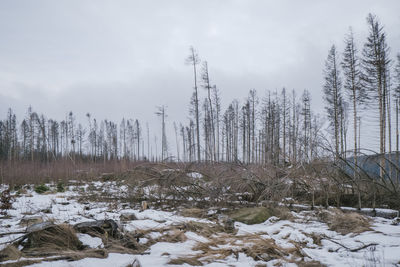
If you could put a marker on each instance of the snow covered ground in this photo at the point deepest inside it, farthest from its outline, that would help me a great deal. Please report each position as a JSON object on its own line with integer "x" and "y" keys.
{"x": 302, "y": 239}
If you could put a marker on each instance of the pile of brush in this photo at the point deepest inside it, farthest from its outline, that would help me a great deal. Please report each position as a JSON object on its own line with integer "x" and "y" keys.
{"x": 51, "y": 242}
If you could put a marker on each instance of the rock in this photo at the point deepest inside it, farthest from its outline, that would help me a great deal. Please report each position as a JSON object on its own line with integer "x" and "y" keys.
{"x": 229, "y": 225}
{"x": 30, "y": 220}
{"x": 124, "y": 217}
{"x": 250, "y": 215}
{"x": 102, "y": 226}
{"x": 265, "y": 257}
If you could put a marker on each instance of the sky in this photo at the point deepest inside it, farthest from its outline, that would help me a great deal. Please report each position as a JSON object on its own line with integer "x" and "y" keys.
{"x": 119, "y": 58}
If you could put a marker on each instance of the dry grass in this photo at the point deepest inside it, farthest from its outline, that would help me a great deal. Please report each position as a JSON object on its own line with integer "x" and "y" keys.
{"x": 57, "y": 241}
{"x": 60, "y": 242}
{"x": 221, "y": 246}
{"x": 263, "y": 249}
{"x": 173, "y": 236}
{"x": 36, "y": 172}
{"x": 204, "y": 229}
{"x": 281, "y": 212}
{"x": 52, "y": 239}
{"x": 10, "y": 253}
{"x": 194, "y": 212}
{"x": 345, "y": 222}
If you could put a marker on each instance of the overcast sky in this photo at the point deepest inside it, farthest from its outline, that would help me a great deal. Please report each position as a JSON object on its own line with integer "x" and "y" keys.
{"x": 119, "y": 59}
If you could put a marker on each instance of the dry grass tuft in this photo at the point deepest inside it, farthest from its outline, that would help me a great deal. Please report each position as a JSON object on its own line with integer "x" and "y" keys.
{"x": 56, "y": 241}
{"x": 265, "y": 250}
{"x": 205, "y": 229}
{"x": 173, "y": 236}
{"x": 345, "y": 223}
{"x": 10, "y": 253}
{"x": 282, "y": 213}
{"x": 194, "y": 212}
{"x": 55, "y": 238}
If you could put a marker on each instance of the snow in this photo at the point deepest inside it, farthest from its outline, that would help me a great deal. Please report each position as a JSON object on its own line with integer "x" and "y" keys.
{"x": 196, "y": 237}
{"x": 65, "y": 208}
{"x": 92, "y": 242}
{"x": 195, "y": 175}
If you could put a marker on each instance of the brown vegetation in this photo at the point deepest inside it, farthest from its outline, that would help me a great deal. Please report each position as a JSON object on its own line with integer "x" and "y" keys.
{"x": 345, "y": 222}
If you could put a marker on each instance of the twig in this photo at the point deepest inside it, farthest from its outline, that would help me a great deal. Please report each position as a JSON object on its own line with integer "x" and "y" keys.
{"x": 12, "y": 233}
{"x": 18, "y": 239}
{"x": 365, "y": 246}
{"x": 347, "y": 248}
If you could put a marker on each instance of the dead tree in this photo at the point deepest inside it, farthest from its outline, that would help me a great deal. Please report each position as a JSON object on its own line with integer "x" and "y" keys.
{"x": 332, "y": 95}
{"x": 164, "y": 148}
{"x": 193, "y": 59}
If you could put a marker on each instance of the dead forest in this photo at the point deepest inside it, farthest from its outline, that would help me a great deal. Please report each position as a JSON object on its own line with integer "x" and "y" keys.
{"x": 269, "y": 147}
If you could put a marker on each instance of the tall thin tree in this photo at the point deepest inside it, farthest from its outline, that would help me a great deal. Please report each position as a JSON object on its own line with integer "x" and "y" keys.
{"x": 193, "y": 59}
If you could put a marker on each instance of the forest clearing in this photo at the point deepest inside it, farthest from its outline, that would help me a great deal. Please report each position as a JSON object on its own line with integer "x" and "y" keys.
{"x": 181, "y": 217}
{"x": 199, "y": 133}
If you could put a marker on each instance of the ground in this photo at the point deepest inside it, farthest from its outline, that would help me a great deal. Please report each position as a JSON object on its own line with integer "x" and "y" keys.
{"x": 167, "y": 238}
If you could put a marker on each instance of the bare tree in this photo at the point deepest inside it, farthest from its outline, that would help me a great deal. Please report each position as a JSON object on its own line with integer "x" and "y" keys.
{"x": 193, "y": 59}
{"x": 306, "y": 113}
{"x": 253, "y": 101}
{"x": 206, "y": 84}
{"x": 284, "y": 116}
{"x": 397, "y": 96}
{"x": 177, "y": 141}
{"x": 217, "y": 105}
{"x": 138, "y": 136}
{"x": 332, "y": 95}
{"x": 164, "y": 147}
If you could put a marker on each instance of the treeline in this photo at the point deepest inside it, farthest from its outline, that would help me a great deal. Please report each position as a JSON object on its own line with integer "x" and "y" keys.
{"x": 282, "y": 129}
{"x": 39, "y": 138}
{"x": 289, "y": 132}
{"x": 277, "y": 128}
